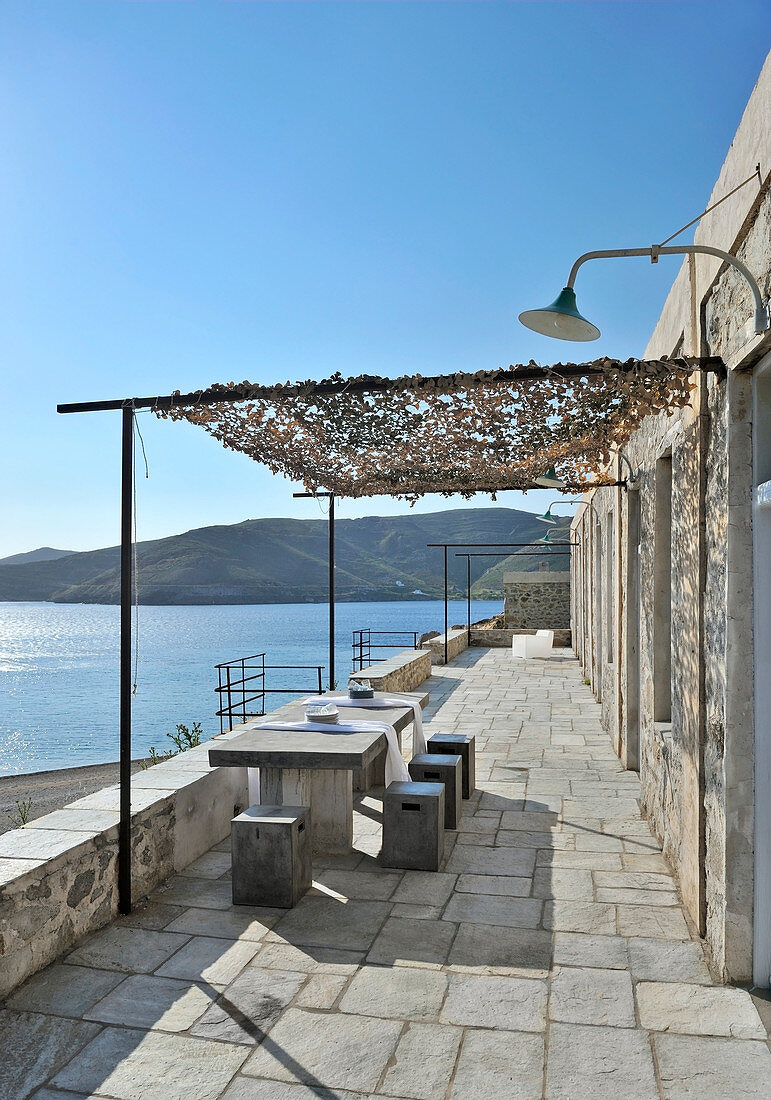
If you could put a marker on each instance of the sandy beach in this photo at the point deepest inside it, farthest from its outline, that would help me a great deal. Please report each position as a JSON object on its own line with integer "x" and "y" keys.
{"x": 52, "y": 790}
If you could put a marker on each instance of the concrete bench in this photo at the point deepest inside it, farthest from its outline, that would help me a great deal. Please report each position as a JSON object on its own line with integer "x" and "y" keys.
{"x": 457, "y": 641}
{"x": 405, "y": 671}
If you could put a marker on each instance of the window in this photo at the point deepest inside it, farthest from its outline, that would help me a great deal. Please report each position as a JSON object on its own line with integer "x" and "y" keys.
{"x": 662, "y": 593}
{"x": 610, "y": 562}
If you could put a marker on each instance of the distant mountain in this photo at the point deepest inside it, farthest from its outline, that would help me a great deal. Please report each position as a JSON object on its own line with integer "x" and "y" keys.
{"x": 45, "y": 553}
{"x": 285, "y": 561}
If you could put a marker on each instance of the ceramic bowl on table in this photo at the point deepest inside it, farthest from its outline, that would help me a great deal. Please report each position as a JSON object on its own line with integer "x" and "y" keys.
{"x": 322, "y": 712}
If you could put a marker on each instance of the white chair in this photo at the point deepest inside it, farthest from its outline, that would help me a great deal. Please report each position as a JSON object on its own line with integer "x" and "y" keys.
{"x": 548, "y": 640}
{"x": 526, "y": 646}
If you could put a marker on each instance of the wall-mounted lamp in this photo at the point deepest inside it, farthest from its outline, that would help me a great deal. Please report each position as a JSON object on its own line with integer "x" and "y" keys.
{"x": 547, "y": 517}
{"x": 563, "y": 321}
{"x": 550, "y": 480}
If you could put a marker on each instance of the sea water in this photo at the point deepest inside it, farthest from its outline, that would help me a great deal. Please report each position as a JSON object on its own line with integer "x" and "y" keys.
{"x": 59, "y": 668}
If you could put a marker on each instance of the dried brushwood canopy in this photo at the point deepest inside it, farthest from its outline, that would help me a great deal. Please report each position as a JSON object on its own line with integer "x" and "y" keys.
{"x": 452, "y": 434}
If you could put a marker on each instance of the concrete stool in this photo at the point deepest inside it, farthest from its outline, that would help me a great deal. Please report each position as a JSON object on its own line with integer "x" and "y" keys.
{"x": 430, "y": 767}
{"x": 413, "y": 826}
{"x": 465, "y": 746}
{"x": 271, "y": 850}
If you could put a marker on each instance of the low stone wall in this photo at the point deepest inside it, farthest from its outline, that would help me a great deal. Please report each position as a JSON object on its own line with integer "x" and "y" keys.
{"x": 404, "y": 671}
{"x": 499, "y": 638}
{"x": 457, "y": 641}
{"x": 536, "y": 601}
{"x": 59, "y": 873}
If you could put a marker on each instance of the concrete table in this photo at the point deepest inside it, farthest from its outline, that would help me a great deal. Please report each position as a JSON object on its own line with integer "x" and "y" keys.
{"x": 313, "y": 767}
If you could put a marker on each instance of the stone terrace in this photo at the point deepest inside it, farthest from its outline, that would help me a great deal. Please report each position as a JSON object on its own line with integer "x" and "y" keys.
{"x": 549, "y": 958}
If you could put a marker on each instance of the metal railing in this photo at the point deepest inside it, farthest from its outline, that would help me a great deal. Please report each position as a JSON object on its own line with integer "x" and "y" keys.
{"x": 241, "y": 687}
{"x": 362, "y": 645}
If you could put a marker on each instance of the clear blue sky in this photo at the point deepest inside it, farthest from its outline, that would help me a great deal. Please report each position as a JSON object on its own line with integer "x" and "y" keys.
{"x": 199, "y": 192}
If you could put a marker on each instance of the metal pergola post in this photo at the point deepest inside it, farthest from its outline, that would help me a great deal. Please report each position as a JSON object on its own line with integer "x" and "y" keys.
{"x": 126, "y": 510}
{"x": 331, "y": 591}
{"x": 446, "y": 609}
{"x": 468, "y": 600}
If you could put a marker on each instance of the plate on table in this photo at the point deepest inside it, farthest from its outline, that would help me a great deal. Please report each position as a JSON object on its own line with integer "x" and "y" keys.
{"x": 322, "y": 712}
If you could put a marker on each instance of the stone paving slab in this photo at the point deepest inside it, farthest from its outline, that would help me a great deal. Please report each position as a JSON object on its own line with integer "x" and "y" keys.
{"x": 423, "y": 1062}
{"x": 335, "y": 1050}
{"x": 599, "y": 1063}
{"x": 129, "y": 950}
{"x": 133, "y": 1065}
{"x": 250, "y": 1006}
{"x": 35, "y": 1046}
{"x": 145, "y": 1000}
{"x": 209, "y": 959}
{"x": 405, "y": 941}
{"x": 587, "y": 995}
{"x": 515, "y": 1004}
{"x": 548, "y": 958}
{"x": 64, "y": 990}
{"x": 698, "y": 1010}
{"x": 499, "y": 1064}
{"x": 712, "y": 1069}
{"x": 398, "y": 993}
{"x": 237, "y": 923}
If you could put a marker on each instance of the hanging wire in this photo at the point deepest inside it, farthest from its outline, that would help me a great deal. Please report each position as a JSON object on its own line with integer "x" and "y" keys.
{"x": 755, "y": 175}
{"x": 142, "y": 442}
{"x": 135, "y": 553}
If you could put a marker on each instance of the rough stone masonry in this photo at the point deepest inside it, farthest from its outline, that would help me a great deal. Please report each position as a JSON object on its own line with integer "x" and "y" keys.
{"x": 536, "y": 601}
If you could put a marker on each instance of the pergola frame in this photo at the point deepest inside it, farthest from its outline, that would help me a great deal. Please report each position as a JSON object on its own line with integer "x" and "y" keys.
{"x": 501, "y": 554}
{"x": 244, "y": 392}
{"x": 445, "y": 546}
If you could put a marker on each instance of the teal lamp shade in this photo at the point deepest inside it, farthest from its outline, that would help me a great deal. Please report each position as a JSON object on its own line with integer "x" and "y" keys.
{"x": 549, "y": 480}
{"x": 561, "y": 319}
{"x": 546, "y": 538}
{"x": 547, "y": 517}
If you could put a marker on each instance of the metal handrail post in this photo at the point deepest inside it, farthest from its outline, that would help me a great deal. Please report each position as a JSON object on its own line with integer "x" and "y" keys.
{"x": 243, "y": 689}
{"x": 230, "y": 699}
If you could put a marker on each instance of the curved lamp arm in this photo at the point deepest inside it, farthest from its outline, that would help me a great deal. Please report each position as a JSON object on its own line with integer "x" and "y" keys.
{"x": 761, "y": 313}
{"x": 632, "y": 473}
{"x": 572, "y": 503}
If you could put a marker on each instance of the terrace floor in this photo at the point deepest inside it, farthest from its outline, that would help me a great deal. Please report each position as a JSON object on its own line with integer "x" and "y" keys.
{"x": 549, "y": 958}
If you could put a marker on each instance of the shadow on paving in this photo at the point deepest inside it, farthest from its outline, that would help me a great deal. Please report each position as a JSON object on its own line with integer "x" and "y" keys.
{"x": 174, "y": 993}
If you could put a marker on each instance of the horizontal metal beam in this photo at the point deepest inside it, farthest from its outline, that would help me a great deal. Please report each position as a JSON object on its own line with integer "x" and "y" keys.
{"x": 454, "y": 544}
{"x": 372, "y": 384}
{"x": 532, "y": 553}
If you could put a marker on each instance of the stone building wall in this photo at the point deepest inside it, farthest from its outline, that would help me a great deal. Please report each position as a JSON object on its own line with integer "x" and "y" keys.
{"x": 696, "y": 761}
{"x": 536, "y": 601}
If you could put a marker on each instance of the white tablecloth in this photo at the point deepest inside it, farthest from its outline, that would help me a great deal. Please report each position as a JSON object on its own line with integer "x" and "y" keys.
{"x": 383, "y": 702}
{"x": 395, "y": 768}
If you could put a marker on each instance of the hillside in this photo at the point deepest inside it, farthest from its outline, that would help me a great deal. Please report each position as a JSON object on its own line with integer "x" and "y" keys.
{"x": 285, "y": 561}
{"x": 43, "y": 553}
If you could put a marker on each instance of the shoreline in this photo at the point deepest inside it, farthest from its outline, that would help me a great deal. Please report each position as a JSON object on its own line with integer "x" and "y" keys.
{"x": 52, "y": 790}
